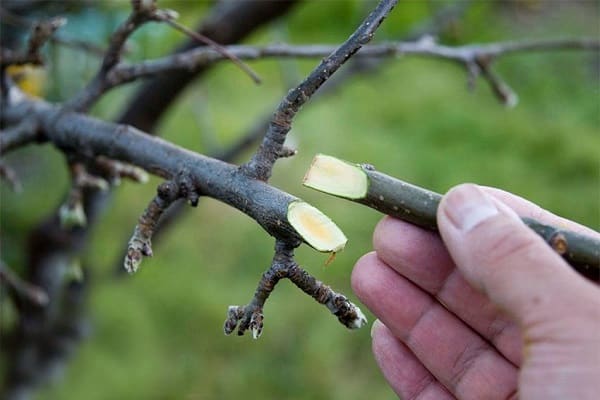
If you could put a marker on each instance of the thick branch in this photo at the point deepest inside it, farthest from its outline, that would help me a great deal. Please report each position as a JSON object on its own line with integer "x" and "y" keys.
{"x": 261, "y": 164}
{"x": 273, "y": 209}
{"x": 140, "y": 243}
{"x": 140, "y": 14}
{"x": 362, "y": 184}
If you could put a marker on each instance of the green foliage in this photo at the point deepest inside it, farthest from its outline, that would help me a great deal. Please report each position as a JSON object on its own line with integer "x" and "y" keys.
{"x": 158, "y": 334}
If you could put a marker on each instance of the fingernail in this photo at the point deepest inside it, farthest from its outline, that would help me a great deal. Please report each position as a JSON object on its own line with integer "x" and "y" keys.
{"x": 468, "y": 206}
{"x": 373, "y": 327}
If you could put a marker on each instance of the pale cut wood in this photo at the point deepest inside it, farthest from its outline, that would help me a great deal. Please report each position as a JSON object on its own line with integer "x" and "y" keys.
{"x": 316, "y": 228}
{"x": 337, "y": 177}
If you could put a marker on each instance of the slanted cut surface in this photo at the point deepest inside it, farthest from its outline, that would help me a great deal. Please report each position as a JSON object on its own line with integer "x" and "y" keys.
{"x": 339, "y": 178}
{"x": 316, "y": 228}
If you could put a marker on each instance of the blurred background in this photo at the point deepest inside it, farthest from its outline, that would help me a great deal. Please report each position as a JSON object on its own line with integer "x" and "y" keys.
{"x": 158, "y": 334}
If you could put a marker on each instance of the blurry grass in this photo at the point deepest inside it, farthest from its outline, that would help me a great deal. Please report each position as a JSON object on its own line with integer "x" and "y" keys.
{"x": 158, "y": 334}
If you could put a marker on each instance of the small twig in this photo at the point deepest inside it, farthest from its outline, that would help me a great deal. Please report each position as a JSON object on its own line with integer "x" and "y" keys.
{"x": 216, "y": 46}
{"x": 261, "y": 164}
{"x": 362, "y": 184}
{"x": 41, "y": 33}
{"x": 25, "y": 290}
{"x": 140, "y": 244}
{"x": 142, "y": 12}
{"x": 283, "y": 266}
{"x": 18, "y": 135}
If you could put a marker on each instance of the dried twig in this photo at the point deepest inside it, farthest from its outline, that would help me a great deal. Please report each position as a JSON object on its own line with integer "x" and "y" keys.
{"x": 24, "y": 290}
{"x": 108, "y": 75}
{"x": 283, "y": 266}
{"x": 18, "y": 21}
{"x": 477, "y": 59}
{"x": 271, "y": 148}
{"x": 18, "y": 135}
{"x": 40, "y": 34}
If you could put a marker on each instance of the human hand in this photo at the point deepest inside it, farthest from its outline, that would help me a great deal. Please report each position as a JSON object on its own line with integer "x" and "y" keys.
{"x": 486, "y": 311}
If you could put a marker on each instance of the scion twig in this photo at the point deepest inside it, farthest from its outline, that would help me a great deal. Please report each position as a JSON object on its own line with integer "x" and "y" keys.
{"x": 140, "y": 244}
{"x": 476, "y": 59}
{"x": 40, "y": 34}
{"x": 392, "y": 196}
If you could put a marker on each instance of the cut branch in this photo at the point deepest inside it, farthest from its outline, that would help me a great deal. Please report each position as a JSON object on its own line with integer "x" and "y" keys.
{"x": 214, "y": 45}
{"x": 261, "y": 164}
{"x": 362, "y": 184}
{"x": 140, "y": 244}
{"x": 40, "y": 34}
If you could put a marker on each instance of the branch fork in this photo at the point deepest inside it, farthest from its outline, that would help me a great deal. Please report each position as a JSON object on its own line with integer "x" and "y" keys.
{"x": 250, "y": 317}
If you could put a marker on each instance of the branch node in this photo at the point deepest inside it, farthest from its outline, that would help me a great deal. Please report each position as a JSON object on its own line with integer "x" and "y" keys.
{"x": 140, "y": 244}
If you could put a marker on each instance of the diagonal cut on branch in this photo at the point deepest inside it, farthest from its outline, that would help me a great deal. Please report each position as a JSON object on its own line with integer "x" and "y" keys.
{"x": 283, "y": 266}
{"x": 71, "y": 213}
{"x": 272, "y": 208}
{"x": 261, "y": 164}
{"x": 18, "y": 135}
{"x": 362, "y": 184}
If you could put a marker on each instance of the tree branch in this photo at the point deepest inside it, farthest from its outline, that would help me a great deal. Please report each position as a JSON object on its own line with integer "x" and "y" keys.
{"x": 283, "y": 266}
{"x": 88, "y": 136}
{"x": 362, "y": 184}
{"x": 271, "y": 148}
{"x": 477, "y": 59}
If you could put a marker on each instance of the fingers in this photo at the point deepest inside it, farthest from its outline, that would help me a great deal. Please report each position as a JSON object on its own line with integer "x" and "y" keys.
{"x": 504, "y": 259}
{"x": 455, "y": 355}
{"x": 525, "y": 208}
{"x": 421, "y": 257}
{"x": 405, "y": 374}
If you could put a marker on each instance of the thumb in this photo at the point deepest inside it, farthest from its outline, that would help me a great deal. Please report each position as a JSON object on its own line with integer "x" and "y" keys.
{"x": 501, "y": 256}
